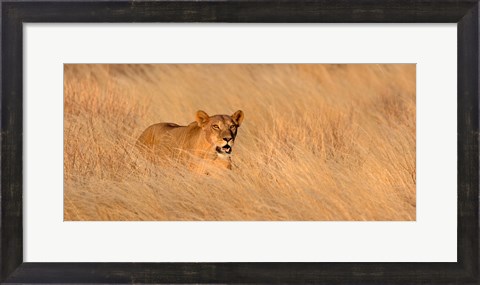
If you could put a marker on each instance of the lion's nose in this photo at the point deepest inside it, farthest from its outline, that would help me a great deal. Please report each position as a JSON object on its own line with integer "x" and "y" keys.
{"x": 227, "y": 139}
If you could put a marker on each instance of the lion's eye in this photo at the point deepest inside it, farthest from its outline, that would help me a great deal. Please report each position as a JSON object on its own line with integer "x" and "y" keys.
{"x": 215, "y": 127}
{"x": 232, "y": 127}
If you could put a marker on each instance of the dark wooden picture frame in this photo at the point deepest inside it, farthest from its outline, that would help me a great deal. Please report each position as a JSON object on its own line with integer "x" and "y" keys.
{"x": 463, "y": 12}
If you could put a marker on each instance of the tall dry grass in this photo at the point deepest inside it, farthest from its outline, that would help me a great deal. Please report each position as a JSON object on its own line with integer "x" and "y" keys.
{"x": 319, "y": 142}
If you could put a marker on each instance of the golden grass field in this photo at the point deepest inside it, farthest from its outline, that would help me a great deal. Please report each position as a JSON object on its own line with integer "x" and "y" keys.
{"x": 319, "y": 142}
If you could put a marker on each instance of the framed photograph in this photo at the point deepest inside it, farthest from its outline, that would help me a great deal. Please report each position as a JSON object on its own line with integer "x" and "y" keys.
{"x": 239, "y": 142}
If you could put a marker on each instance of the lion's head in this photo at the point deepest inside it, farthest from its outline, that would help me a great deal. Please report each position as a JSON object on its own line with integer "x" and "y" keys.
{"x": 220, "y": 130}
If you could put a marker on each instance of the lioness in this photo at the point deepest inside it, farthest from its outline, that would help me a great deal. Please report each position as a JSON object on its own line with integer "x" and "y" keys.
{"x": 209, "y": 138}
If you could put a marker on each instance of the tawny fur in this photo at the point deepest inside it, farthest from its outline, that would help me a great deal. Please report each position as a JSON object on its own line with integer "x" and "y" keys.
{"x": 209, "y": 139}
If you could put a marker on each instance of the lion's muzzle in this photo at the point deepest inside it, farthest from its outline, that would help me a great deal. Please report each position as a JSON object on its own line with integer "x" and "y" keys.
{"x": 226, "y": 149}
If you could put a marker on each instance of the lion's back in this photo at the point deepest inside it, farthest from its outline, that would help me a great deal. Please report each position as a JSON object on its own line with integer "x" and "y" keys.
{"x": 168, "y": 138}
{"x": 159, "y": 135}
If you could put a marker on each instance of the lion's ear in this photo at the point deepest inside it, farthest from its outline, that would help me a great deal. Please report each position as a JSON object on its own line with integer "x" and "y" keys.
{"x": 201, "y": 118}
{"x": 238, "y": 117}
